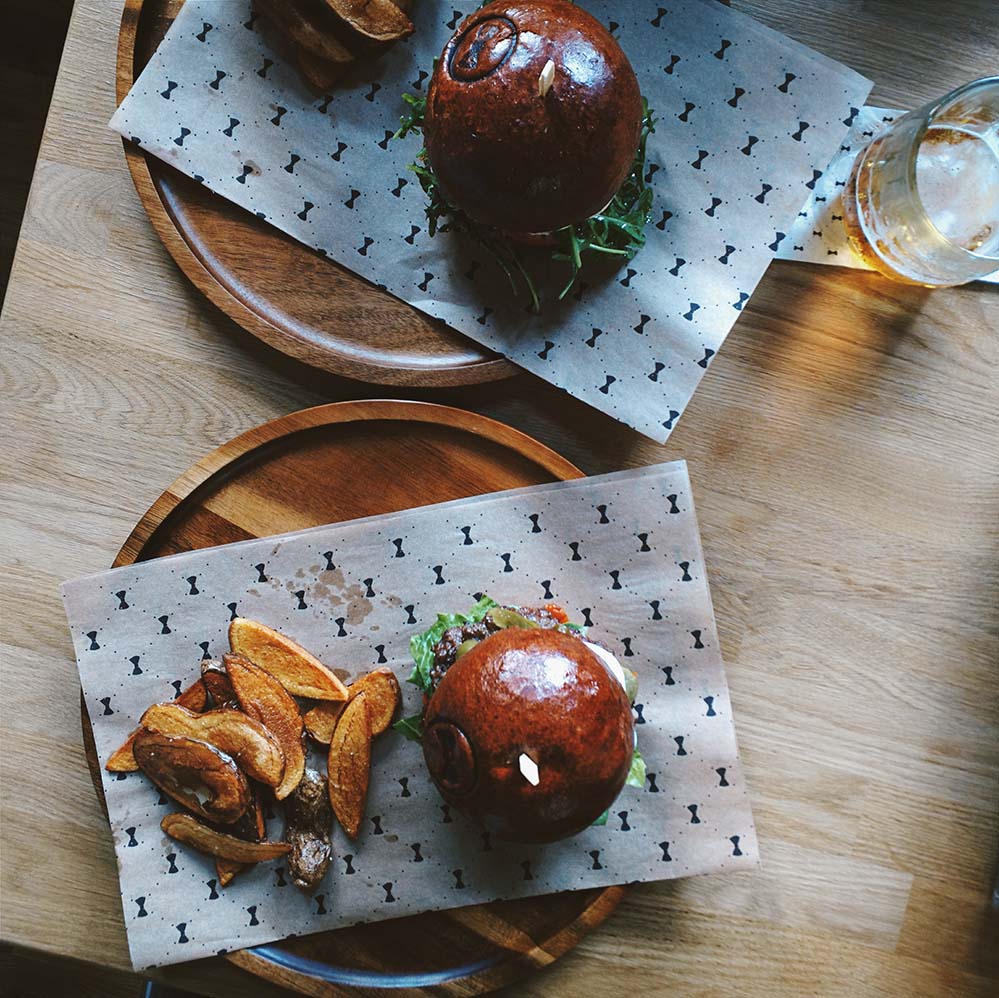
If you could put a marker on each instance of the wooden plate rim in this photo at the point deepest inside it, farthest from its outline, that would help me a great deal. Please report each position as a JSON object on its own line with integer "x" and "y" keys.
{"x": 326, "y": 415}
{"x": 256, "y": 959}
{"x": 217, "y": 292}
{"x": 490, "y": 978}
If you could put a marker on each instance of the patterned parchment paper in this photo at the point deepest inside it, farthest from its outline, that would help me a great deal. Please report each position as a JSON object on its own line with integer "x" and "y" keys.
{"x": 621, "y": 551}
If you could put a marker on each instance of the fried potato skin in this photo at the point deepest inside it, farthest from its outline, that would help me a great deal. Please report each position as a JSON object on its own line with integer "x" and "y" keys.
{"x": 181, "y": 767}
{"x": 255, "y": 750}
{"x": 187, "y": 829}
{"x": 383, "y": 694}
{"x": 298, "y": 671}
{"x": 122, "y": 760}
{"x": 377, "y": 20}
{"x": 263, "y": 698}
{"x": 216, "y": 681}
{"x": 252, "y": 828}
{"x": 350, "y": 765}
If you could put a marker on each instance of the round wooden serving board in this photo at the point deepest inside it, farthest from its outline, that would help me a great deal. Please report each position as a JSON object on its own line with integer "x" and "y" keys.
{"x": 274, "y": 287}
{"x": 339, "y": 462}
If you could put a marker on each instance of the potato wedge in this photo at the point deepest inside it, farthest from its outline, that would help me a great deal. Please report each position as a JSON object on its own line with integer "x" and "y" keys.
{"x": 122, "y": 760}
{"x": 377, "y": 20}
{"x": 216, "y": 681}
{"x": 321, "y": 720}
{"x": 252, "y": 828}
{"x": 319, "y": 73}
{"x": 300, "y": 673}
{"x": 251, "y": 825}
{"x": 383, "y": 693}
{"x": 299, "y": 24}
{"x": 263, "y": 698}
{"x": 350, "y": 765}
{"x": 226, "y": 870}
{"x": 310, "y": 819}
{"x": 255, "y": 750}
{"x": 187, "y": 829}
{"x": 195, "y": 774}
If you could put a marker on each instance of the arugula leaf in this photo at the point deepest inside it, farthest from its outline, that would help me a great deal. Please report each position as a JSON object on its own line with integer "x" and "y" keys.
{"x": 636, "y": 775}
{"x": 412, "y": 121}
{"x": 410, "y": 727}
{"x": 421, "y": 646}
{"x": 602, "y": 820}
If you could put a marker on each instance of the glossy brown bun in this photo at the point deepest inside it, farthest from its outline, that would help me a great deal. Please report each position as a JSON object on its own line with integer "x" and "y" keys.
{"x": 511, "y": 158}
{"x": 542, "y": 693}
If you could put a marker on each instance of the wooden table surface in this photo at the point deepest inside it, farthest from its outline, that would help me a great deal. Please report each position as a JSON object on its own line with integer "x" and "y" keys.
{"x": 844, "y": 450}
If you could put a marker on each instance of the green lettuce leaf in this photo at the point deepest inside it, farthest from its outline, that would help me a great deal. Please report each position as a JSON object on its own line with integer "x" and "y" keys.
{"x": 631, "y": 685}
{"x": 636, "y": 778}
{"x": 410, "y": 727}
{"x": 636, "y": 775}
{"x": 421, "y": 646}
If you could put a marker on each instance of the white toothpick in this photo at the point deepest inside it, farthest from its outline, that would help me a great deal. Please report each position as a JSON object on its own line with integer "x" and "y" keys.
{"x": 529, "y": 769}
{"x": 546, "y": 79}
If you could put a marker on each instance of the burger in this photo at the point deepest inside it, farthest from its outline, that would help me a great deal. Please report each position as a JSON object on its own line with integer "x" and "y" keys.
{"x": 534, "y": 132}
{"x": 526, "y": 725}
{"x": 533, "y": 116}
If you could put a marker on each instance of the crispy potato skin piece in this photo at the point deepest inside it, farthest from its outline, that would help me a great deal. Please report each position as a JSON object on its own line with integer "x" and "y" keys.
{"x": 182, "y": 766}
{"x": 377, "y": 20}
{"x": 294, "y": 20}
{"x": 187, "y": 829}
{"x": 263, "y": 698}
{"x": 383, "y": 694}
{"x": 250, "y": 827}
{"x": 227, "y": 869}
{"x": 350, "y": 765}
{"x": 321, "y": 720}
{"x": 216, "y": 681}
{"x": 255, "y": 750}
{"x": 300, "y": 673}
{"x": 326, "y": 36}
{"x": 122, "y": 760}
{"x": 310, "y": 819}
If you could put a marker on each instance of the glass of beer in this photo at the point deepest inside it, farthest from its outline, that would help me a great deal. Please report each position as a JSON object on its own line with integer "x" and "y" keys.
{"x": 922, "y": 203}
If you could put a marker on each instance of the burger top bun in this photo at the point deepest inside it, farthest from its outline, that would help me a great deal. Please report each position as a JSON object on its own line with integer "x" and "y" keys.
{"x": 521, "y": 147}
{"x": 535, "y": 693}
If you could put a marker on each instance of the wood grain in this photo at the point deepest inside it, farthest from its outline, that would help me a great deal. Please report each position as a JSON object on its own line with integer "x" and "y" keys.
{"x": 277, "y": 477}
{"x": 844, "y": 453}
{"x": 274, "y": 287}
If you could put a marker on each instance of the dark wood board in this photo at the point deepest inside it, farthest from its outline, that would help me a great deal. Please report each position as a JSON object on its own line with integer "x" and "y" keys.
{"x": 274, "y": 287}
{"x": 338, "y": 462}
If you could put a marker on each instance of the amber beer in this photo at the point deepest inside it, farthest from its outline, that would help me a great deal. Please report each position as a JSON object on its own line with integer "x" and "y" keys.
{"x": 922, "y": 203}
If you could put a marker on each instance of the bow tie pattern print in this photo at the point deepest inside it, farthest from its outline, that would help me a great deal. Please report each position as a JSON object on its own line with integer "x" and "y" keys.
{"x": 607, "y": 548}
{"x": 746, "y": 118}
